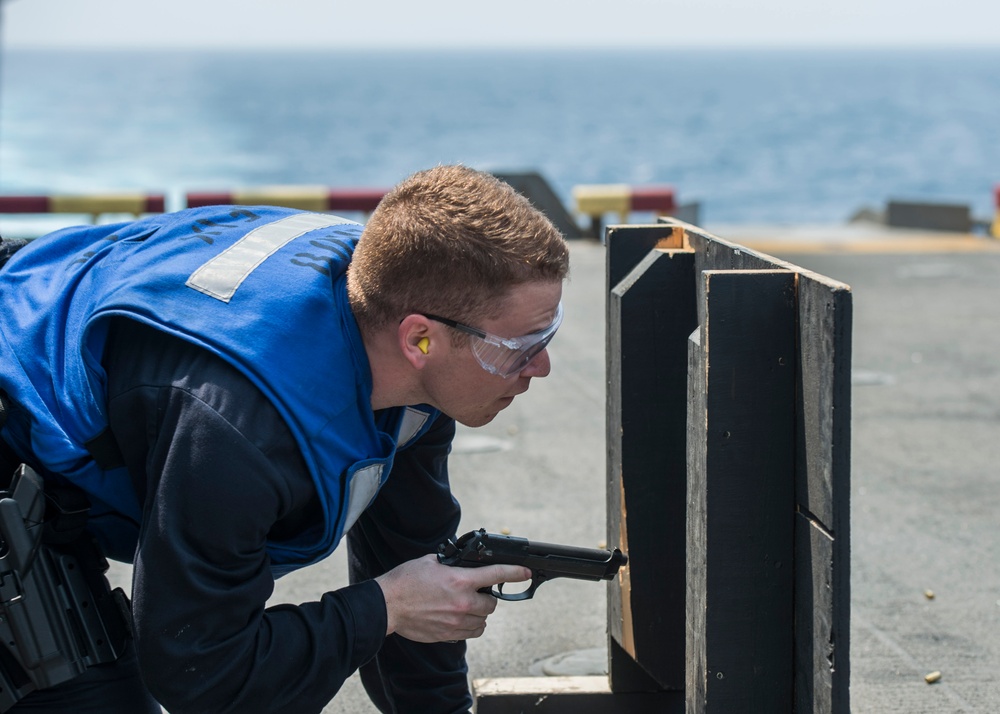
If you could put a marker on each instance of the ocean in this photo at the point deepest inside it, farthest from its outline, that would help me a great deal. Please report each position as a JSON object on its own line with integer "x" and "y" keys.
{"x": 754, "y": 136}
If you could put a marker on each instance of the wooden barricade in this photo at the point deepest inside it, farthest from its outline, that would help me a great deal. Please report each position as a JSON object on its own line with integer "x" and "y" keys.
{"x": 728, "y": 484}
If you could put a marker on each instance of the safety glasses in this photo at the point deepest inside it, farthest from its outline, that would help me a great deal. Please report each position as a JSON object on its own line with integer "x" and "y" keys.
{"x": 504, "y": 356}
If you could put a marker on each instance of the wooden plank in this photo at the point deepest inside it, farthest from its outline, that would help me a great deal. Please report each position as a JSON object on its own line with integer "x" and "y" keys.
{"x": 568, "y": 695}
{"x": 651, "y": 312}
{"x": 823, "y": 482}
{"x": 741, "y": 438}
{"x": 627, "y": 245}
{"x": 624, "y": 673}
{"x": 713, "y": 253}
{"x": 818, "y": 651}
{"x": 696, "y": 539}
{"x": 822, "y": 586}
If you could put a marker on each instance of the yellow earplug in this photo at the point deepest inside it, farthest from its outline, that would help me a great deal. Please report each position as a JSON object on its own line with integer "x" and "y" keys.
{"x": 422, "y": 345}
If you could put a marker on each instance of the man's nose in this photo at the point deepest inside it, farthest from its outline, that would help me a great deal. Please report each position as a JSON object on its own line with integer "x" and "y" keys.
{"x": 539, "y": 366}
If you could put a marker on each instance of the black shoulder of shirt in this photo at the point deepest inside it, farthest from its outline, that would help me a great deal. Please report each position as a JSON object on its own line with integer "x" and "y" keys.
{"x": 141, "y": 357}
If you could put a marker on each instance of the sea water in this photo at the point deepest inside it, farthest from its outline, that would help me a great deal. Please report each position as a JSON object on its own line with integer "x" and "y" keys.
{"x": 754, "y": 136}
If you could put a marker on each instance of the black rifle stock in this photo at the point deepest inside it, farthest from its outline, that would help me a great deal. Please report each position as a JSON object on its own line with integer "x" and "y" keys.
{"x": 546, "y": 561}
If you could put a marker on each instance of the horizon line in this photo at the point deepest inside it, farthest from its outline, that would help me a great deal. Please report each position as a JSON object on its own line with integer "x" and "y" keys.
{"x": 480, "y": 47}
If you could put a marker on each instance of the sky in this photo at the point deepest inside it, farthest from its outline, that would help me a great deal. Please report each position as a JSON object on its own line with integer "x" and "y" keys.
{"x": 381, "y": 24}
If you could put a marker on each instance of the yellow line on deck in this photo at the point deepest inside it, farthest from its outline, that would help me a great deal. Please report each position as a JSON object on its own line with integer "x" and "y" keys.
{"x": 873, "y": 246}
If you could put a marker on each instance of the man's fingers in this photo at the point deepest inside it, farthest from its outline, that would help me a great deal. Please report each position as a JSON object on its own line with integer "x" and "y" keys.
{"x": 472, "y": 624}
{"x": 491, "y": 575}
{"x": 429, "y": 602}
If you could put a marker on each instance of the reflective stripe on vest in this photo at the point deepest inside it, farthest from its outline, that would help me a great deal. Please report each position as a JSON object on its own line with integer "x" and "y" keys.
{"x": 223, "y": 274}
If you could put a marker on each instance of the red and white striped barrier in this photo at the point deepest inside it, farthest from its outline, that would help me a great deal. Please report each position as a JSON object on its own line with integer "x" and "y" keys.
{"x": 306, "y": 198}
{"x": 597, "y": 199}
{"x": 95, "y": 204}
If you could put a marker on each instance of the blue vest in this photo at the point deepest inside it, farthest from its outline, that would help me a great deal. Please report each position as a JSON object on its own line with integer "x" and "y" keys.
{"x": 262, "y": 287}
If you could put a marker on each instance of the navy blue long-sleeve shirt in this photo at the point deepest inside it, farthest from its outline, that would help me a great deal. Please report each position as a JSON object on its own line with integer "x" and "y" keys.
{"x": 218, "y": 473}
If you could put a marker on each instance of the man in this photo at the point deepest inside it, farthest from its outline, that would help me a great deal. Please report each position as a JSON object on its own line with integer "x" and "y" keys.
{"x": 236, "y": 389}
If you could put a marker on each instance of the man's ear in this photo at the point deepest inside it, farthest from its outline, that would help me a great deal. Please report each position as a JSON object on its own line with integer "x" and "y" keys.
{"x": 414, "y": 340}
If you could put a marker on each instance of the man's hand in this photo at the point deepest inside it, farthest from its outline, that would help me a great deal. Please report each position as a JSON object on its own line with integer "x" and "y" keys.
{"x": 429, "y": 602}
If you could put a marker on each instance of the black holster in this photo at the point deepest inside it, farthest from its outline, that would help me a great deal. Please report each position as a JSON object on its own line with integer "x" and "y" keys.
{"x": 58, "y": 615}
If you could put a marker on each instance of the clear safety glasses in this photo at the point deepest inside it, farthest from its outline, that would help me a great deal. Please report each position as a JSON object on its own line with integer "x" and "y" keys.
{"x": 504, "y": 356}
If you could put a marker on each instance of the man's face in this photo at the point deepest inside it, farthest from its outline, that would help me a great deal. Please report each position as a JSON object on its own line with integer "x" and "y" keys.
{"x": 462, "y": 389}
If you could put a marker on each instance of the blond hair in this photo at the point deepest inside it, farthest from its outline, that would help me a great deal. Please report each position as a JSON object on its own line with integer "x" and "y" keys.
{"x": 450, "y": 241}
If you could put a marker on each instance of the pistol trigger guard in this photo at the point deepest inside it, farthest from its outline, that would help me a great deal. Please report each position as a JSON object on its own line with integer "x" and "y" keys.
{"x": 526, "y": 594}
